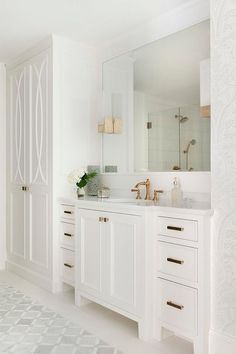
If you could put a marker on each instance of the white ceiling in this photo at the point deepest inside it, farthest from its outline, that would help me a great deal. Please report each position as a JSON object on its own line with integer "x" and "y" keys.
{"x": 25, "y": 22}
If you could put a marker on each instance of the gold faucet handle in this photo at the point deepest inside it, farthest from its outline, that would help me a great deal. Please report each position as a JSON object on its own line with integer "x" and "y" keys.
{"x": 156, "y": 194}
{"x": 138, "y": 196}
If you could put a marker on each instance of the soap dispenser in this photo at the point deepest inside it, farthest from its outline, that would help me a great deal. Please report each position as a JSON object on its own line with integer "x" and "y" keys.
{"x": 176, "y": 192}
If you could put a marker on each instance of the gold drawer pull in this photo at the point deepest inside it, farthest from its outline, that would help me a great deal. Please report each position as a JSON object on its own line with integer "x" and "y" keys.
{"x": 68, "y": 265}
{"x": 68, "y": 235}
{"x": 101, "y": 219}
{"x": 176, "y": 306}
{"x": 172, "y": 260}
{"x": 68, "y": 212}
{"x": 175, "y": 228}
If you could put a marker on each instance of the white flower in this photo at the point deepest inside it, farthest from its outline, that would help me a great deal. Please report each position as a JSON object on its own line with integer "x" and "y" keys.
{"x": 76, "y": 175}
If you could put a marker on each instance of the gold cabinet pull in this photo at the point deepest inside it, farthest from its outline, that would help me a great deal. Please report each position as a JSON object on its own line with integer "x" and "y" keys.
{"x": 101, "y": 219}
{"x": 68, "y": 265}
{"x": 67, "y": 212}
{"x": 176, "y": 306}
{"x": 68, "y": 235}
{"x": 173, "y": 260}
{"x": 175, "y": 228}
{"x": 24, "y": 188}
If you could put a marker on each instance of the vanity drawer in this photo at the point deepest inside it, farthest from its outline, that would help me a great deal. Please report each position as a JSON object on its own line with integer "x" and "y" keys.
{"x": 67, "y": 212}
{"x": 67, "y": 234}
{"x": 68, "y": 266}
{"x": 178, "y": 261}
{"x": 178, "y": 228}
{"x": 178, "y": 306}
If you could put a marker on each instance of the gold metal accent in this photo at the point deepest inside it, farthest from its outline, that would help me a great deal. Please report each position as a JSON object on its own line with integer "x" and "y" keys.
{"x": 147, "y": 184}
{"x": 175, "y": 228}
{"x": 24, "y": 188}
{"x": 68, "y": 265}
{"x": 173, "y": 260}
{"x": 68, "y": 212}
{"x": 156, "y": 194}
{"x": 101, "y": 219}
{"x": 205, "y": 111}
{"x": 68, "y": 235}
{"x": 176, "y": 306}
{"x": 138, "y": 196}
{"x": 106, "y": 219}
{"x": 149, "y": 125}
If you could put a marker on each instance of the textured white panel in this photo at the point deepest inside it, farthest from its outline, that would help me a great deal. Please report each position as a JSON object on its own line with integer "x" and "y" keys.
{"x": 224, "y": 164}
{"x": 18, "y": 118}
{"x": 38, "y": 70}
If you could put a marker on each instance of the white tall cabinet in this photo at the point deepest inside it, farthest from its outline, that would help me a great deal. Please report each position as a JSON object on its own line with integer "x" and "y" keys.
{"x": 29, "y": 159}
{"x": 40, "y": 153}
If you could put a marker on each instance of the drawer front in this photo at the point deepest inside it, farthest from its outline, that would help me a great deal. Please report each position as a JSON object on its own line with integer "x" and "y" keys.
{"x": 67, "y": 212}
{"x": 178, "y": 306}
{"x": 179, "y": 228}
{"x": 68, "y": 266}
{"x": 67, "y": 234}
{"x": 177, "y": 261}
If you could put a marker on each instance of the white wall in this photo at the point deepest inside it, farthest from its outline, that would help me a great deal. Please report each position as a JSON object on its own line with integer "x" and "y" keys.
{"x": 2, "y": 164}
{"x": 77, "y": 97}
{"x": 223, "y": 83}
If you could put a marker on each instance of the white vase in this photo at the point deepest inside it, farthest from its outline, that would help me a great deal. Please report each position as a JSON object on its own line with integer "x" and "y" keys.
{"x": 80, "y": 192}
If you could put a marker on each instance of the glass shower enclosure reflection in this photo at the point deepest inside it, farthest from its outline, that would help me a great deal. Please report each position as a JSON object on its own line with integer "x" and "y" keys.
{"x": 178, "y": 139}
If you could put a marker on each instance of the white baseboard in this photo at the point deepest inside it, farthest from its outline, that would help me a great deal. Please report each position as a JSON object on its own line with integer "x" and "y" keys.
{"x": 31, "y": 276}
{"x": 221, "y": 343}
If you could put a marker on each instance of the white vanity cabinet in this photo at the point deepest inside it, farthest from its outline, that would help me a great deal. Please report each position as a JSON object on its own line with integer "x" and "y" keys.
{"x": 182, "y": 277}
{"x": 111, "y": 260}
{"x": 146, "y": 262}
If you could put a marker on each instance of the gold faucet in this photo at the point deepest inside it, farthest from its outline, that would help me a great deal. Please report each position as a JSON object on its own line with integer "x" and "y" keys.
{"x": 147, "y": 184}
{"x": 156, "y": 194}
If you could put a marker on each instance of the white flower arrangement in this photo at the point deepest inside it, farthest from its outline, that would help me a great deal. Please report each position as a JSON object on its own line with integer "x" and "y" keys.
{"x": 80, "y": 177}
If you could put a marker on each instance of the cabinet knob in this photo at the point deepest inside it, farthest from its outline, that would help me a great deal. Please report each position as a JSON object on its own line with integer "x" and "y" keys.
{"x": 24, "y": 188}
{"x": 101, "y": 219}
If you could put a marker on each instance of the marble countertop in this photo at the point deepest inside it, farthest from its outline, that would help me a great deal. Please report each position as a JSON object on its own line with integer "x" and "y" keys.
{"x": 186, "y": 206}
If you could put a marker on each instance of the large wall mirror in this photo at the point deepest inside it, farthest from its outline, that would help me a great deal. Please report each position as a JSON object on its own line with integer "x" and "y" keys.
{"x": 156, "y": 105}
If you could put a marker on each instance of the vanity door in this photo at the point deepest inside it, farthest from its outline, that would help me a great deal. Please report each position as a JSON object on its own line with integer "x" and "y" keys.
{"x": 90, "y": 253}
{"x": 125, "y": 269}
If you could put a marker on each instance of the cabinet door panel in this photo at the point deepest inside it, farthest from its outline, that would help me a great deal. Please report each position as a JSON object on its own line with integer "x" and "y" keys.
{"x": 125, "y": 262}
{"x": 89, "y": 243}
{"x": 39, "y": 118}
{"x": 39, "y": 231}
{"x": 17, "y": 109}
{"x": 17, "y": 225}
{"x": 16, "y": 165}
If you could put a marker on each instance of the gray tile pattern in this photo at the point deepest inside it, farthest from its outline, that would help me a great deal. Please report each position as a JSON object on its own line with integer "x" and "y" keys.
{"x": 28, "y": 327}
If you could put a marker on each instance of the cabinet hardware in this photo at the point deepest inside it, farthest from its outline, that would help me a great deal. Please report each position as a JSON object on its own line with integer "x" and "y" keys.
{"x": 172, "y": 260}
{"x": 24, "y": 188}
{"x": 68, "y": 235}
{"x": 101, "y": 219}
{"x": 176, "y": 306}
{"x": 67, "y": 212}
{"x": 175, "y": 228}
{"x": 68, "y": 265}
{"x": 106, "y": 219}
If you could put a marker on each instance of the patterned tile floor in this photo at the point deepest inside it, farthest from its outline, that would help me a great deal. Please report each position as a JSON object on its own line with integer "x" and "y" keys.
{"x": 29, "y": 327}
